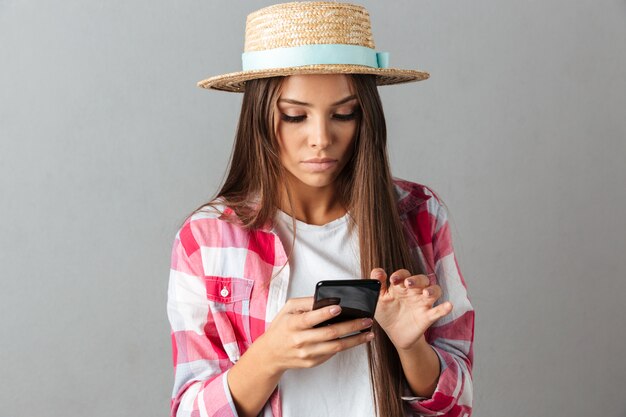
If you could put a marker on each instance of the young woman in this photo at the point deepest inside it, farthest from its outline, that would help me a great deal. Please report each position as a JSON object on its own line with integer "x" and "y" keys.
{"x": 309, "y": 196}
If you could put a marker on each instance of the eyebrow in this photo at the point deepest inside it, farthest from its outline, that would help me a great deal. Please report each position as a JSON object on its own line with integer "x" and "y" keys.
{"x": 292, "y": 101}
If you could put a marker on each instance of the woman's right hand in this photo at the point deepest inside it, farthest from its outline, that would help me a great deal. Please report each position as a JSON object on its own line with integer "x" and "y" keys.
{"x": 291, "y": 341}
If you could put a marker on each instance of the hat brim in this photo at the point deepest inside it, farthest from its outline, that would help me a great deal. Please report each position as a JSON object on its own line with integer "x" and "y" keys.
{"x": 235, "y": 81}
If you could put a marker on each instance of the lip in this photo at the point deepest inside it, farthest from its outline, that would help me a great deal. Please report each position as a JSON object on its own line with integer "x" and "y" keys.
{"x": 319, "y": 160}
{"x": 319, "y": 164}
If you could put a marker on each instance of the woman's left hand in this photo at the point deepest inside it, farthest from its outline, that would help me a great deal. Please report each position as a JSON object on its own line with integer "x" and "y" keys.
{"x": 405, "y": 306}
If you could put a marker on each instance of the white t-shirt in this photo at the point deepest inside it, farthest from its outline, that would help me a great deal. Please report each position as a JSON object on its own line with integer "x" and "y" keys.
{"x": 340, "y": 386}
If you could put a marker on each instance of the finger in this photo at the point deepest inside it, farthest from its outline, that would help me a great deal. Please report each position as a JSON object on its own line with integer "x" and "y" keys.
{"x": 440, "y": 311}
{"x": 432, "y": 293}
{"x": 298, "y": 305}
{"x": 310, "y": 318}
{"x": 417, "y": 281}
{"x": 398, "y": 278}
{"x": 380, "y": 275}
{"x": 337, "y": 345}
{"x": 337, "y": 330}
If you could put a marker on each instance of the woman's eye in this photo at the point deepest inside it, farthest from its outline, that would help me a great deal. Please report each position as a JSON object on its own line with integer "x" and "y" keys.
{"x": 298, "y": 119}
{"x": 346, "y": 117}
{"x": 291, "y": 119}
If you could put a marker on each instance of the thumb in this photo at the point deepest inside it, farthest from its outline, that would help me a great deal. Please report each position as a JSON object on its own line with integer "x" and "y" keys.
{"x": 380, "y": 275}
{"x": 298, "y": 305}
{"x": 440, "y": 311}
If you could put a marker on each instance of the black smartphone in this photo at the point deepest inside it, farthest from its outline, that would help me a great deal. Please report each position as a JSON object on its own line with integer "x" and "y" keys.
{"x": 356, "y": 297}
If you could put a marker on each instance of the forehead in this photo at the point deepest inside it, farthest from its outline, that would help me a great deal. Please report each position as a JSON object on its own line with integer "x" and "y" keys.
{"x": 316, "y": 88}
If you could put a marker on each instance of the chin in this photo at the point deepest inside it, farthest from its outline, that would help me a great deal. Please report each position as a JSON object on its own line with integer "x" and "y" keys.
{"x": 318, "y": 184}
{"x": 316, "y": 181}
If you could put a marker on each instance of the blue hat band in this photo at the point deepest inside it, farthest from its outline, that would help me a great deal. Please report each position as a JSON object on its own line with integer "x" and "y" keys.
{"x": 314, "y": 54}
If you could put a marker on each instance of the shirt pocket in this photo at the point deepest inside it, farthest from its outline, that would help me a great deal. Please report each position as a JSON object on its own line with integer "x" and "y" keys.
{"x": 229, "y": 301}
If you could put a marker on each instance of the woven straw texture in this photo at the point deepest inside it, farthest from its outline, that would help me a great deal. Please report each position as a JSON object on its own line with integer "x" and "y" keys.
{"x": 309, "y": 23}
{"x": 295, "y": 24}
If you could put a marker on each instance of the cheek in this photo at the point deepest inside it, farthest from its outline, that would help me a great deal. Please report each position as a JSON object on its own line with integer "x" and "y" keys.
{"x": 291, "y": 136}
{"x": 282, "y": 137}
{"x": 349, "y": 138}
{"x": 287, "y": 146}
{"x": 348, "y": 132}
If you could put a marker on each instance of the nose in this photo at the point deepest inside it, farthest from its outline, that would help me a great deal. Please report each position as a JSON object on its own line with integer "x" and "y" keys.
{"x": 321, "y": 136}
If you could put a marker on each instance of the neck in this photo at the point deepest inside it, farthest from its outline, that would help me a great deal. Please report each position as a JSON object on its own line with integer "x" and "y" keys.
{"x": 312, "y": 205}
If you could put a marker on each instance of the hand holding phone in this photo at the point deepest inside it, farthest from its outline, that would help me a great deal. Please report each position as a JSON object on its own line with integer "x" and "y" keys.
{"x": 356, "y": 297}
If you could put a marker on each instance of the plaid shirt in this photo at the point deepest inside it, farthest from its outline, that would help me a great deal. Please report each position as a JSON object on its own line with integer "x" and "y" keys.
{"x": 221, "y": 298}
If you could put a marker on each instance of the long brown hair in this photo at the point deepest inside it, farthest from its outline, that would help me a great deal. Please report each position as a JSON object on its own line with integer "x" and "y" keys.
{"x": 365, "y": 189}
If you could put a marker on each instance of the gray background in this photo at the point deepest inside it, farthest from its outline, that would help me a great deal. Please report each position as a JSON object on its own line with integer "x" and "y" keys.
{"x": 106, "y": 144}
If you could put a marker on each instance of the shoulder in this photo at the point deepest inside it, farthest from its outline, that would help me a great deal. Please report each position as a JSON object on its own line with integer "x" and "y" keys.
{"x": 422, "y": 208}
{"x": 413, "y": 197}
{"x": 425, "y": 214}
{"x": 212, "y": 225}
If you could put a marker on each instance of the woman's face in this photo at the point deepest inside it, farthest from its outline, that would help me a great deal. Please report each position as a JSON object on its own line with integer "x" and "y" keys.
{"x": 316, "y": 120}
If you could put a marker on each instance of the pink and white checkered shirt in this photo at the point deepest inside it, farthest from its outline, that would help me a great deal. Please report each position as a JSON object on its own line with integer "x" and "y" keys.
{"x": 222, "y": 297}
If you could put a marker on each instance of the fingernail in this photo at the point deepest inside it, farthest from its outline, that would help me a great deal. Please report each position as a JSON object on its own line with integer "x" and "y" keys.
{"x": 430, "y": 292}
{"x": 334, "y": 310}
{"x": 366, "y": 322}
{"x": 410, "y": 283}
{"x": 370, "y": 336}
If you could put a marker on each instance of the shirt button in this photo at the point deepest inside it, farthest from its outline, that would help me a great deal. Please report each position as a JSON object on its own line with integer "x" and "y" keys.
{"x": 224, "y": 292}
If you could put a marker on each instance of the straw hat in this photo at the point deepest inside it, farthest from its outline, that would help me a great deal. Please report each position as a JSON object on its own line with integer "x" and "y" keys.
{"x": 310, "y": 38}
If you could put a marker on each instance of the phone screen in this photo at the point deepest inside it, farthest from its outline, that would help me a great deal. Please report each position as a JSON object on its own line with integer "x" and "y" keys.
{"x": 357, "y": 298}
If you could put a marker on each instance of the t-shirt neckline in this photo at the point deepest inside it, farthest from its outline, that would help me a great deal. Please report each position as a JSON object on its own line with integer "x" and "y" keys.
{"x": 300, "y": 225}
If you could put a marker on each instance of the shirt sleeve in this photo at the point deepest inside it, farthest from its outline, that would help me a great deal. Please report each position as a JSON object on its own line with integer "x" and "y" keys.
{"x": 452, "y": 336}
{"x": 200, "y": 358}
